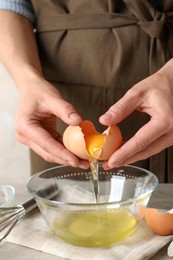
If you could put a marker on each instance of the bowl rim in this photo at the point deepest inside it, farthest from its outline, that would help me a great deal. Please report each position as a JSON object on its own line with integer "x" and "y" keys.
{"x": 123, "y": 203}
{"x": 12, "y": 194}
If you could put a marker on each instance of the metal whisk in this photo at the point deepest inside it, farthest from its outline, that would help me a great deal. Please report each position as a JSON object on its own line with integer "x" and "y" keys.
{"x": 9, "y": 216}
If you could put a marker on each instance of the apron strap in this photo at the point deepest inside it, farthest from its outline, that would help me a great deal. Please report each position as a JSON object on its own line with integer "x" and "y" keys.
{"x": 157, "y": 25}
{"x": 82, "y": 21}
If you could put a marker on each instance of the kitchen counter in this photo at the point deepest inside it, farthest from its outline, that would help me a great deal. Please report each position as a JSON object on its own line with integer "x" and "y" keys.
{"x": 161, "y": 198}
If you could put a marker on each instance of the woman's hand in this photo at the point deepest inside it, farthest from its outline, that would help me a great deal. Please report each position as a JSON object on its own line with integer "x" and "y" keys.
{"x": 154, "y": 96}
{"x": 40, "y": 104}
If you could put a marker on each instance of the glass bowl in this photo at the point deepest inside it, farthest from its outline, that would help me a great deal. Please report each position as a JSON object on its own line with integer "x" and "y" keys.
{"x": 75, "y": 217}
{"x": 7, "y": 193}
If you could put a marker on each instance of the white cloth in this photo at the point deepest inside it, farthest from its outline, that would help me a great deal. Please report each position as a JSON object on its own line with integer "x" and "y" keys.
{"x": 33, "y": 232}
{"x": 170, "y": 250}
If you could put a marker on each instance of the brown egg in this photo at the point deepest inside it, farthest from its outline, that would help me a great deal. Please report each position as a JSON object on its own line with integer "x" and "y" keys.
{"x": 85, "y": 142}
{"x": 160, "y": 222}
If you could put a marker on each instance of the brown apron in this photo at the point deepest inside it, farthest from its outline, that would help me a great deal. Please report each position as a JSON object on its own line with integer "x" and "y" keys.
{"x": 93, "y": 51}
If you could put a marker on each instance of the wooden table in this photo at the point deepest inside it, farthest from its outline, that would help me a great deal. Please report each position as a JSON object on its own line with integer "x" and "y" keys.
{"x": 161, "y": 198}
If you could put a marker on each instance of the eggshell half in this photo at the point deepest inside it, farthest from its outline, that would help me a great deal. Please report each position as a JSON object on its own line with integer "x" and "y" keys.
{"x": 73, "y": 140}
{"x": 113, "y": 141}
{"x": 160, "y": 222}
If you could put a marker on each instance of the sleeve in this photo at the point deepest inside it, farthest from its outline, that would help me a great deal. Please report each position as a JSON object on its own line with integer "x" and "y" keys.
{"x": 22, "y": 7}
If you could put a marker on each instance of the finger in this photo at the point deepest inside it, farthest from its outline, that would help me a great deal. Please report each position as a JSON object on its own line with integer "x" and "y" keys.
{"x": 50, "y": 149}
{"x": 45, "y": 155}
{"x": 157, "y": 146}
{"x": 142, "y": 139}
{"x": 54, "y": 133}
{"x": 54, "y": 159}
{"x": 65, "y": 111}
{"x": 123, "y": 108}
{"x": 57, "y": 152}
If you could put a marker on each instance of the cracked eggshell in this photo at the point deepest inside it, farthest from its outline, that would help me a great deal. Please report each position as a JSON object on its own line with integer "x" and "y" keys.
{"x": 74, "y": 139}
{"x": 160, "y": 222}
{"x": 113, "y": 141}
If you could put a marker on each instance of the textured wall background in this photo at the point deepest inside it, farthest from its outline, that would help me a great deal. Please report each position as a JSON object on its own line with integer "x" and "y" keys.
{"x": 14, "y": 160}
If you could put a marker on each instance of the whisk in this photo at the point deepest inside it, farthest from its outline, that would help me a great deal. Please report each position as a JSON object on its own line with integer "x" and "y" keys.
{"x": 9, "y": 216}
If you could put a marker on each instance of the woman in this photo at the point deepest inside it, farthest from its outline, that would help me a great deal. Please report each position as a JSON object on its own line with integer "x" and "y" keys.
{"x": 106, "y": 61}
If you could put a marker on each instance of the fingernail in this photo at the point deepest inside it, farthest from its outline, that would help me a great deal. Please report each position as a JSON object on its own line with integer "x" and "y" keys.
{"x": 70, "y": 163}
{"x": 83, "y": 166}
{"x": 74, "y": 116}
{"x": 106, "y": 116}
{"x": 105, "y": 166}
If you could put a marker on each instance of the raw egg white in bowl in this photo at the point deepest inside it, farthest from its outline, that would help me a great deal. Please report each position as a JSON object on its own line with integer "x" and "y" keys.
{"x": 75, "y": 217}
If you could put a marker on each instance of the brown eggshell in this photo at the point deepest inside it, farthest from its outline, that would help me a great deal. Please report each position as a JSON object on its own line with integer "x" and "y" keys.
{"x": 73, "y": 140}
{"x": 113, "y": 141}
{"x": 160, "y": 222}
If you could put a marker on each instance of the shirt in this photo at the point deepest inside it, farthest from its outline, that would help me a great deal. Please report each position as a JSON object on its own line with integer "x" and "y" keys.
{"x": 22, "y": 7}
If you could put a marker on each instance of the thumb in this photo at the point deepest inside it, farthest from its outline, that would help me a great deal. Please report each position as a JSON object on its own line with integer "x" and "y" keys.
{"x": 120, "y": 110}
{"x": 65, "y": 111}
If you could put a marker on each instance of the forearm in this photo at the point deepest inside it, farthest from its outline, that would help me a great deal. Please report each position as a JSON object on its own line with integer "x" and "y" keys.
{"x": 18, "y": 49}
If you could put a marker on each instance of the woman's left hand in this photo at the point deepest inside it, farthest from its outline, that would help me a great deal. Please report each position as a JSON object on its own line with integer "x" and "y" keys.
{"x": 154, "y": 96}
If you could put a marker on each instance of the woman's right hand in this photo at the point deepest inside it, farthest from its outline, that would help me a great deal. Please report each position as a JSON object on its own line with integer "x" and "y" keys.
{"x": 40, "y": 104}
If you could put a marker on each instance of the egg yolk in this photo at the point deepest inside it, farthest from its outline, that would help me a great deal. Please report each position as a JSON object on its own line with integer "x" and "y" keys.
{"x": 94, "y": 143}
